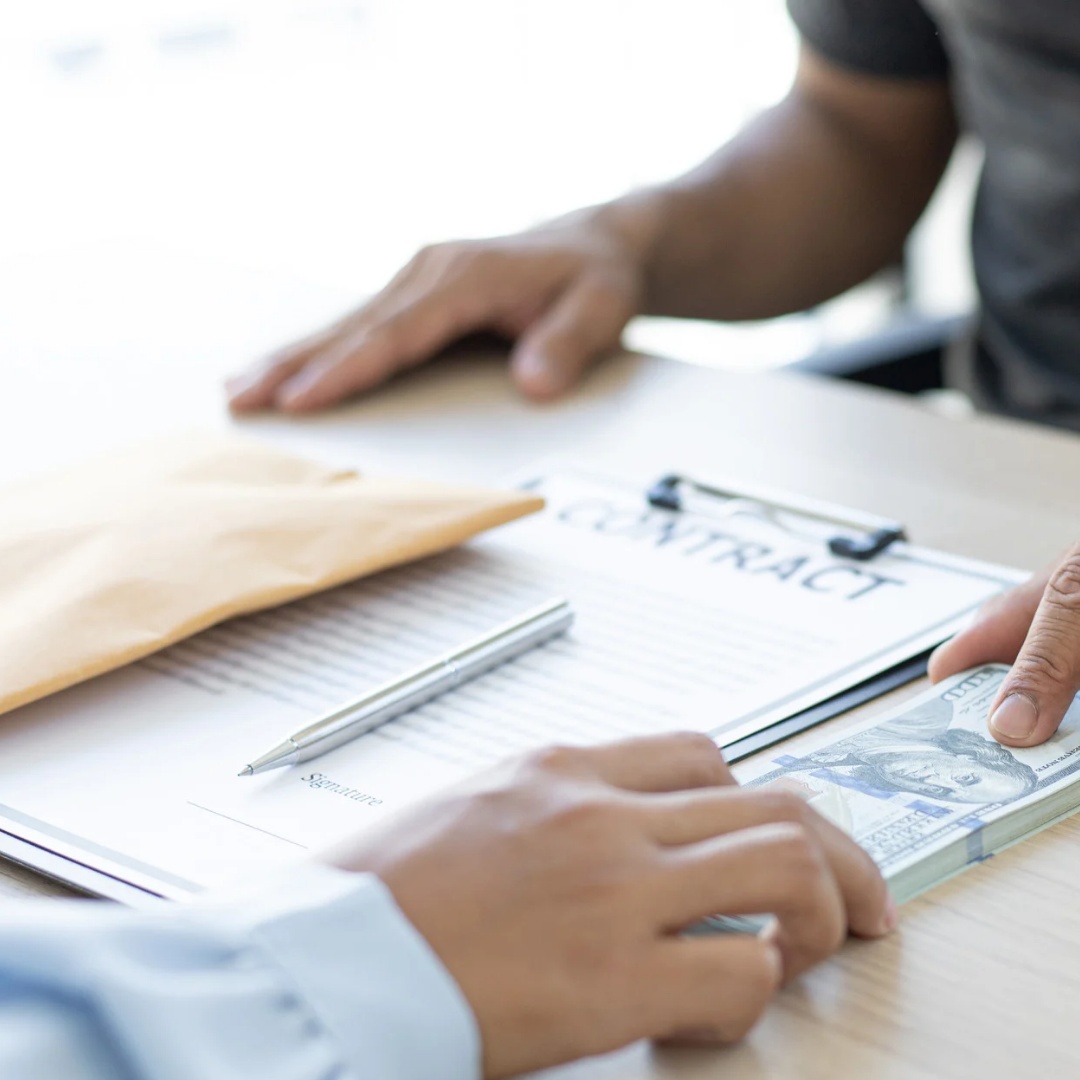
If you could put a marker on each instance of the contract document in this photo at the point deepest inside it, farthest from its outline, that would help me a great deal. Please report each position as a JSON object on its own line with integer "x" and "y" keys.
{"x": 684, "y": 621}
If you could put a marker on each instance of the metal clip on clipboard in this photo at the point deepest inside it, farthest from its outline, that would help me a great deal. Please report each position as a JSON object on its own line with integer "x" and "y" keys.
{"x": 874, "y": 535}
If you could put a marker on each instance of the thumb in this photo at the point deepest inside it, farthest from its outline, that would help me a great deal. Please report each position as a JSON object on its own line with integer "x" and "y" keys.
{"x": 997, "y": 634}
{"x": 1043, "y": 682}
{"x": 585, "y": 322}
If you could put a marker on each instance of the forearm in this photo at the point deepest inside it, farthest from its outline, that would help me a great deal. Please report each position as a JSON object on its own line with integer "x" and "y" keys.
{"x": 810, "y": 199}
{"x": 318, "y": 974}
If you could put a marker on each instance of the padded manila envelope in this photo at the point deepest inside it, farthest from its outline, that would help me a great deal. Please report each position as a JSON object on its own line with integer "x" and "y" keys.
{"x": 115, "y": 559}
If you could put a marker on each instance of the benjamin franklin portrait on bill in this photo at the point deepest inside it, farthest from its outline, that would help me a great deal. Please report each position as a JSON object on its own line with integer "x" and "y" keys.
{"x": 918, "y": 754}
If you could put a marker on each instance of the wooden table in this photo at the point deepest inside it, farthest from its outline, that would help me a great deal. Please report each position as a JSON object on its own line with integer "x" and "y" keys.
{"x": 979, "y": 979}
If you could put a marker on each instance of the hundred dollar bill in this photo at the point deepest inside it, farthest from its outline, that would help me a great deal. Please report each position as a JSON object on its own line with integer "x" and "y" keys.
{"x": 924, "y": 788}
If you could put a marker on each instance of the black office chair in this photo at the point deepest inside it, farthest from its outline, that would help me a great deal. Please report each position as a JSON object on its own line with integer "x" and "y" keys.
{"x": 908, "y": 355}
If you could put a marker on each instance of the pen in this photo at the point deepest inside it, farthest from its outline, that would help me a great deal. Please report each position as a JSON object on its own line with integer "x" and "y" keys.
{"x": 417, "y": 687}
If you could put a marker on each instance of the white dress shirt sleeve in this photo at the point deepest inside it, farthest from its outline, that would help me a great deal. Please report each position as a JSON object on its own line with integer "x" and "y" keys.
{"x": 318, "y": 976}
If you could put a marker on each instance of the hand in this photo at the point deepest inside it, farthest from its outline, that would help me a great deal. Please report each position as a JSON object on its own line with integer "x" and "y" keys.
{"x": 564, "y": 292}
{"x": 555, "y": 892}
{"x": 1036, "y": 628}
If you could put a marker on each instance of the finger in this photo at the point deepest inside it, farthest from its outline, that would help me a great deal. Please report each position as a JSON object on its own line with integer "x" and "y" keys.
{"x": 354, "y": 364}
{"x": 255, "y": 388}
{"x": 387, "y": 340}
{"x": 715, "y": 987}
{"x": 585, "y": 322}
{"x": 674, "y": 762}
{"x": 774, "y": 869}
{"x": 696, "y": 817}
{"x": 260, "y": 386}
{"x": 996, "y": 635}
{"x": 1043, "y": 682}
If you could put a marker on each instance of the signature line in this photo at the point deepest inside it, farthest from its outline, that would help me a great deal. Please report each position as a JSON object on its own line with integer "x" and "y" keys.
{"x": 266, "y": 832}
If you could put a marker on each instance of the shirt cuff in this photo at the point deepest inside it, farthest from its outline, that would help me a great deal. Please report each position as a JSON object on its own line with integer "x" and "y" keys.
{"x": 364, "y": 969}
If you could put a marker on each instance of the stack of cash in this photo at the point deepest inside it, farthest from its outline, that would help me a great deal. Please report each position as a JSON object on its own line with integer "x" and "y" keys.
{"x": 924, "y": 788}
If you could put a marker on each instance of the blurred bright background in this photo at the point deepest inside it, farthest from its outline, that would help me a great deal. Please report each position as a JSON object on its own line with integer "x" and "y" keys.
{"x": 325, "y": 140}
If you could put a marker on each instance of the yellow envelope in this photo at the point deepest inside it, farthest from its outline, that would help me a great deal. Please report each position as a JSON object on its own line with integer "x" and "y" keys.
{"x": 116, "y": 559}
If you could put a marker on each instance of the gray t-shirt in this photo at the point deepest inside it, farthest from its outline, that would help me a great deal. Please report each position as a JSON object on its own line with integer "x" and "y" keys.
{"x": 1014, "y": 67}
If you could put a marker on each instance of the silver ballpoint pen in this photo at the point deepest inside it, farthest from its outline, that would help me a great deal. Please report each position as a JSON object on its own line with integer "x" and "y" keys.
{"x": 417, "y": 687}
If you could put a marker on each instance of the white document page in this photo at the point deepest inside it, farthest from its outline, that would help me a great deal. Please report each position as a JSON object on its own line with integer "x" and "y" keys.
{"x": 683, "y": 621}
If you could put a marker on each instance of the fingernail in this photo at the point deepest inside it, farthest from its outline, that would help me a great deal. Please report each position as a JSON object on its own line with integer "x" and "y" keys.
{"x": 534, "y": 369}
{"x": 1015, "y": 717}
{"x": 769, "y": 934}
{"x": 890, "y": 920}
{"x": 776, "y": 960}
{"x": 236, "y": 385}
{"x": 297, "y": 388}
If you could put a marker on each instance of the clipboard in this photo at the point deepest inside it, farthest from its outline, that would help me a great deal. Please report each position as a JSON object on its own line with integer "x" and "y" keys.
{"x": 93, "y": 881}
{"x": 92, "y": 862}
{"x": 72, "y": 872}
{"x": 69, "y": 870}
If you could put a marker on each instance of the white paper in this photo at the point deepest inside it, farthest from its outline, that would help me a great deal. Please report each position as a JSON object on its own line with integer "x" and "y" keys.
{"x": 683, "y": 621}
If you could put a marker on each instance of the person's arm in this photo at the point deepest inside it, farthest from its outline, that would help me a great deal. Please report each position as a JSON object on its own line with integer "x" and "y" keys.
{"x": 811, "y": 198}
{"x": 531, "y": 918}
{"x": 1036, "y": 628}
{"x": 318, "y": 976}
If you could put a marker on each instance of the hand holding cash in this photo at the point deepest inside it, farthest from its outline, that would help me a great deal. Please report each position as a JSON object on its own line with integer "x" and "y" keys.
{"x": 1036, "y": 628}
{"x": 924, "y": 788}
